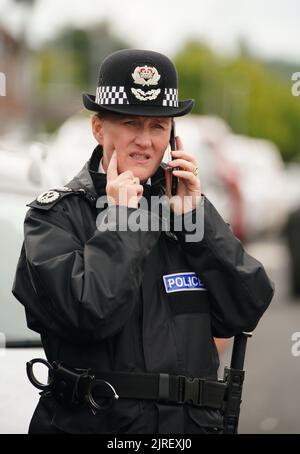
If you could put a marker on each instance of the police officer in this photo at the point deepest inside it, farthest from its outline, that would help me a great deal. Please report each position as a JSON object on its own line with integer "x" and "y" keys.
{"x": 127, "y": 316}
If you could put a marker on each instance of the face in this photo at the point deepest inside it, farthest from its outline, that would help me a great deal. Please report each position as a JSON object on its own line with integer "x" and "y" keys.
{"x": 140, "y": 142}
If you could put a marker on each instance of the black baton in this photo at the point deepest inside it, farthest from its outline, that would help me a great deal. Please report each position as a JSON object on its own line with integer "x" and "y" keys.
{"x": 234, "y": 378}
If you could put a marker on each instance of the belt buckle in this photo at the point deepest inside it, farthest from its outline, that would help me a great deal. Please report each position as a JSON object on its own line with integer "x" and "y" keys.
{"x": 190, "y": 390}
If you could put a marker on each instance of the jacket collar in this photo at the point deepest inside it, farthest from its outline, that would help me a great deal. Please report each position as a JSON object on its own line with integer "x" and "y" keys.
{"x": 95, "y": 183}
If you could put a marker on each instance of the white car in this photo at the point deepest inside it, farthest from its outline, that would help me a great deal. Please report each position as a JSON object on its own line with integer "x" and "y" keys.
{"x": 261, "y": 177}
{"x": 22, "y": 177}
{"x": 70, "y": 148}
{"x": 244, "y": 177}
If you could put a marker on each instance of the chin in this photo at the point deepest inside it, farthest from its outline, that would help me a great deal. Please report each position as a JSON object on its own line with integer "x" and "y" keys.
{"x": 142, "y": 175}
{"x": 143, "y": 178}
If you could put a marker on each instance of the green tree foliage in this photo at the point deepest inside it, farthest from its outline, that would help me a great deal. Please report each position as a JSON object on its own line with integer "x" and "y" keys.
{"x": 253, "y": 97}
{"x": 64, "y": 68}
{"x": 74, "y": 56}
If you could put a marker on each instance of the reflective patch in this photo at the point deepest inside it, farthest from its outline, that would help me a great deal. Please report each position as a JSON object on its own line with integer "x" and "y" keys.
{"x": 179, "y": 282}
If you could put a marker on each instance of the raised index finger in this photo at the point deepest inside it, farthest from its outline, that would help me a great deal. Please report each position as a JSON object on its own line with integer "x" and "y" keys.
{"x": 112, "y": 169}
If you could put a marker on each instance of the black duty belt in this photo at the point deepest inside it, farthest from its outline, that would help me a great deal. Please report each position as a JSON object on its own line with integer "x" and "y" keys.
{"x": 77, "y": 386}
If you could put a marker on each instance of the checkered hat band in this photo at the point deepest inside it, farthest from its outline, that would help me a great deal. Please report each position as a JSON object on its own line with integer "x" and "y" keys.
{"x": 117, "y": 95}
{"x": 111, "y": 95}
{"x": 170, "y": 97}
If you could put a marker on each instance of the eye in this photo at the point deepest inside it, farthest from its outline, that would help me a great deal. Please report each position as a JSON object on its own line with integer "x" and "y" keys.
{"x": 158, "y": 126}
{"x": 129, "y": 122}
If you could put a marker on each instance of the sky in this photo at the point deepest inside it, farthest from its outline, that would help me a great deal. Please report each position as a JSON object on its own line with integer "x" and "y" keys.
{"x": 270, "y": 27}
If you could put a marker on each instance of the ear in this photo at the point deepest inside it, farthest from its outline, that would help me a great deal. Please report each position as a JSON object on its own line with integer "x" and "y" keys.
{"x": 97, "y": 128}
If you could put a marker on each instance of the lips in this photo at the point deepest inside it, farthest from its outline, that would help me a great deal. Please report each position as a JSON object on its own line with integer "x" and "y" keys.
{"x": 138, "y": 156}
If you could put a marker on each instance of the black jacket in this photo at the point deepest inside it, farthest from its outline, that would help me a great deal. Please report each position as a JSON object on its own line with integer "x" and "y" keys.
{"x": 99, "y": 301}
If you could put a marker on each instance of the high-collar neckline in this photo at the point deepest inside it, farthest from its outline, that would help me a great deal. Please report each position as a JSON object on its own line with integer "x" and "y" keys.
{"x": 99, "y": 179}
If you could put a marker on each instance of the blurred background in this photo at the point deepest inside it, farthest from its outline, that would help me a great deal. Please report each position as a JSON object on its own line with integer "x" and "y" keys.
{"x": 239, "y": 60}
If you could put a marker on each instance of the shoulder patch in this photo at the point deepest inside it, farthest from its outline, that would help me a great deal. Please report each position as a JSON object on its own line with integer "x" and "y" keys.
{"x": 48, "y": 199}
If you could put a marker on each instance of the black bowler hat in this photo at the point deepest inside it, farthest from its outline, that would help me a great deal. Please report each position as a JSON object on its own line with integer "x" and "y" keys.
{"x": 138, "y": 82}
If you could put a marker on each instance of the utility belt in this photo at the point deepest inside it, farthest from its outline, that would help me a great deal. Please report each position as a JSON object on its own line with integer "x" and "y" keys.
{"x": 75, "y": 387}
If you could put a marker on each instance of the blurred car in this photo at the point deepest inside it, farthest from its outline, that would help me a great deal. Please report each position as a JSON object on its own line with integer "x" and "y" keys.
{"x": 201, "y": 136}
{"x": 292, "y": 228}
{"x": 244, "y": 177}
{"x": 293, "y": 186}
{"x": 261, "y": 177}
{"x": 292, "y": 231}
{"x": 69, "y": 148}
{"x": 22, "y": 177}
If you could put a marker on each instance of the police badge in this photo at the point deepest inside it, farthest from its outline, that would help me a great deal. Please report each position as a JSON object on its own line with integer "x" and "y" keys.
{"x": 145, "y": 75}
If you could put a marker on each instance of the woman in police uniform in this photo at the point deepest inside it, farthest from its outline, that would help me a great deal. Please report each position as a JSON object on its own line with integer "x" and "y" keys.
{"x": 128, "y": 315}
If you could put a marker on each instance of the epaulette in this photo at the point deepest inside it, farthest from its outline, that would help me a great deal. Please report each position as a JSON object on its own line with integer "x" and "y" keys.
{"x": 49, "y": 199}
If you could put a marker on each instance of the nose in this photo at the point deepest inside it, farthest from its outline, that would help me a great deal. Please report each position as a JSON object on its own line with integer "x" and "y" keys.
{"x": 143, "y": 138}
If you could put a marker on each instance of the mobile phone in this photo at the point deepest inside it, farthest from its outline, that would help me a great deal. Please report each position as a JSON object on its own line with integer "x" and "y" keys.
{"x": 174, "y": 180}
